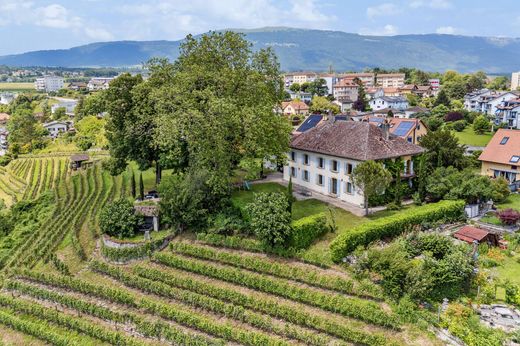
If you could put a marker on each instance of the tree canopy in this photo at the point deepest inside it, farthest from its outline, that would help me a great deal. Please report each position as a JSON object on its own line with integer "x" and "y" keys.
{"x": 371, "y": 178}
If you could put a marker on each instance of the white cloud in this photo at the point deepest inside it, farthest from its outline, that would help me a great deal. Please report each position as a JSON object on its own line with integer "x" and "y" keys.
{"x": 449, "y": 30}
{"x": 385, "y": 9}
{"x": 56, "y": 16}
{"x": 387, "y": 30}
{"x": 174, "y": 19}
{"x": 98, "y": 34}
{"x": 436, "y": 4}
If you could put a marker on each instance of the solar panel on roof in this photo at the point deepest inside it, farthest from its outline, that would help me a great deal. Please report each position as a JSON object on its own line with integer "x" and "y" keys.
{"x": 403, "y": 128}
{"x": 376, "y": 120}
{"x": 310, "y": 122}
{"x": 341, "y": 117}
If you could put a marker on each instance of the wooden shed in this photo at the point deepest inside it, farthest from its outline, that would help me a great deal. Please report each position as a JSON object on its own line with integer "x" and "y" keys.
{"x": 77, "y": 160}
{"x": 472, "y": 234}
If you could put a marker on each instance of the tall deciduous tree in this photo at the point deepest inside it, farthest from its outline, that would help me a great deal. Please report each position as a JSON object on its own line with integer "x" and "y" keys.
{"x": 371, "y": 178}
{"x": 218, "y": 108}
{"x": 443, "y": 149}
{"x": 322, "y": 105}
{"x": 442, "y": 99}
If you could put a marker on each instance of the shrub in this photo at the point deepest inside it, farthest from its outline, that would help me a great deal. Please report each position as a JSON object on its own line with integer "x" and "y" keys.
{"x": 481, "y": 124}
{"x": 269, "y": 218}
{"x": 392, "y": 206}
{"x": 459, "y": 126}
{"x": 118, "y": 219}
{"x": 307, "y": 229}
{"x": 509, "y": 216}
{"x": 394, "y": 225}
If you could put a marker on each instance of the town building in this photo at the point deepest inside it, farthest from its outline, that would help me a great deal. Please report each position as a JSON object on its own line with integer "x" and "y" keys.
{"x": 4, "y": 117}
{"x": 508, "y": 113}
{"x": 390, "y": 80}
{"x": 57, "y": 127}
{"x": 501, "y": 157}
{"x": 77, "y": 86}
{"x": 300, "y": 95}
{"x": 99, "y": 83}
{"x": 330, "y": 79}
{"x": 299, "y": 78}
{"x": 515, "y": 80}
{"x": 392, "y": 102}
{"x": 323, "y": 157}
{"x": 345, "y": 90}
{"x": 295, "y": 107}
{"x": 49, "y": 83}
{"x": 486, "y": 101}
{"x": 69, "y": 106}
{"x": 6, "y": 98}
{"x": 411, "y": 130}
{"x": 367, "y": 78}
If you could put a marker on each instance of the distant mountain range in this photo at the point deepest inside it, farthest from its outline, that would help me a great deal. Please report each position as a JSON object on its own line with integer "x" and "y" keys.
{"x": 316, "y": 50}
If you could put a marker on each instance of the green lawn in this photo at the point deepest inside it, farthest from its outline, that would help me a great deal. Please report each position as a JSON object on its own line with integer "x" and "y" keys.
{"x": 319, "y": 251}
{"x": 469, "y": 137}
{"x": 16, "y": 86}
{"x": 513, "y": 201}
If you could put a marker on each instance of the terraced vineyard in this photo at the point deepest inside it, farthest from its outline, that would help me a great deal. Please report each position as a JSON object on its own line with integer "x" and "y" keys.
{"x": 58, "y": 289}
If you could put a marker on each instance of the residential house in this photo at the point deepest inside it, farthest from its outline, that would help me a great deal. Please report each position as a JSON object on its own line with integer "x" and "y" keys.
{"x": 501, "y": 157}
{"x": 330, "y": 80}
{"x": 508, "y": 113}
{"x": 345, "y": 90}
{"x": 391, "y": 91}
{"x": 412, "y": 130}
{"x": 323, "y": 158}
{"x": 367, "y": 78}
{"x": 99, "y": 83}
{"x": 424, "y": 91}
{"x": 515, "y": 80}
{"x": 57, "y": 127}
{"x": 295, "y": 107}
{"x": 299, "y": 77}
{"x": 77, "y": 86}
{"x": 3, "y": 140}
{"x": 411, "y": 111}
{"x": 69, "y": 106}
{"x": 486, "y": 101}
{"x": 375, "y": 92}
{"x": 408, "y": 89}
{"x": 393, "y": 102}
{"x": 7, "y": 98}
{"x": 4, "y": 117}
{"x": 300, "y": 95}
{"x": 49, "y": 83}
{"x": 435, "y": 83}
{"x": 390, "y": 80}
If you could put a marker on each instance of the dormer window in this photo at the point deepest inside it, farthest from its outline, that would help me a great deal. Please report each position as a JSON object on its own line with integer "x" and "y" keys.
{"x": 504, "y": 140}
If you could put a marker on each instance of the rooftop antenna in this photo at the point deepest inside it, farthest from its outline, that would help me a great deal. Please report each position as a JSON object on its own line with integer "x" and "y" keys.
{"x": 331, "y": 70}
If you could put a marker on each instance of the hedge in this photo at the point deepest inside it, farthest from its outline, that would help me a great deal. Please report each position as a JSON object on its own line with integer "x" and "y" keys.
{"x": 307, "y": 229}
{"x": 394, "y": 225}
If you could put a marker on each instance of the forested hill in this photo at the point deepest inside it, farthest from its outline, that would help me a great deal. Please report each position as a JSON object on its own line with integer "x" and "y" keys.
{"x": 300, "y": 49}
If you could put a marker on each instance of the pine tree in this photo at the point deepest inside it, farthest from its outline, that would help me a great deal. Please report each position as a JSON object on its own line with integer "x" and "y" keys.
{"x": 133, "y": 185}
{"x": 141, "y": 186}
{"x": 442, "y": 99}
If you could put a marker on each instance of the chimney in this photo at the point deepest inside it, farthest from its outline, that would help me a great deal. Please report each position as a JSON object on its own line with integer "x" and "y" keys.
{"x": 385, "y": 128}
{"x": 331, "y": 117}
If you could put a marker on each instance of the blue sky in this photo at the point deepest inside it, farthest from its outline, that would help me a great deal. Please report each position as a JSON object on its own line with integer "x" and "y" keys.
{"x": 40, "y": 24}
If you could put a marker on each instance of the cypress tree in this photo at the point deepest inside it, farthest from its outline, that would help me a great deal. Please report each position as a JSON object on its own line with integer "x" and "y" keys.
{"x": 133, "y": 185}
{"x": 141, "y": 186}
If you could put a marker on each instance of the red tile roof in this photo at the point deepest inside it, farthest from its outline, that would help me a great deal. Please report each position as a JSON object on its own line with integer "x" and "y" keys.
{"x": 295, "y": 104}
{"x": 502, "y": 153}
{"x": 355, "y": 140}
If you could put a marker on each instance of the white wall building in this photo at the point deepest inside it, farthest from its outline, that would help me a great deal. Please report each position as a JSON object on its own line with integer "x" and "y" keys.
{"x": 515, "y": 80}
{"x": 390, "y": 80}
{"x": 68, "y": 105}
{"x": 393, "y": 102}
{"x": 99, "y": 83}
{"x": 57, "y": 127}
{"x": 7, "y": 98}
{"x": 49, "y": 83}
{"x": 323, "y": 158}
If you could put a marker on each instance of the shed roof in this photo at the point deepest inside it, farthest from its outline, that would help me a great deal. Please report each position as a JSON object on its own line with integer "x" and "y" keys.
{"x": 147, "y": 210}
{"x": 470, "y": 234}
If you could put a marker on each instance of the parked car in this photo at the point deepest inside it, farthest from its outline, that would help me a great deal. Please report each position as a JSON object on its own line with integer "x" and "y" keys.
{"x": 151, "y": 195}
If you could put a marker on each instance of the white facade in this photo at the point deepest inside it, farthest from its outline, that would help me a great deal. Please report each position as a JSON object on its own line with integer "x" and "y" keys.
{"x": 393, "y": 102}
{"x": 515, "y": 80}
{"x": 391, "y": 80}
{"x": 7, "y": 98}
{"x": 49, "y": 83}
{"x": 99, "y": 83}
{"x": 56, "y": 127}
{"x": 68, "y": 105}
{"x": 324, "y": 174}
